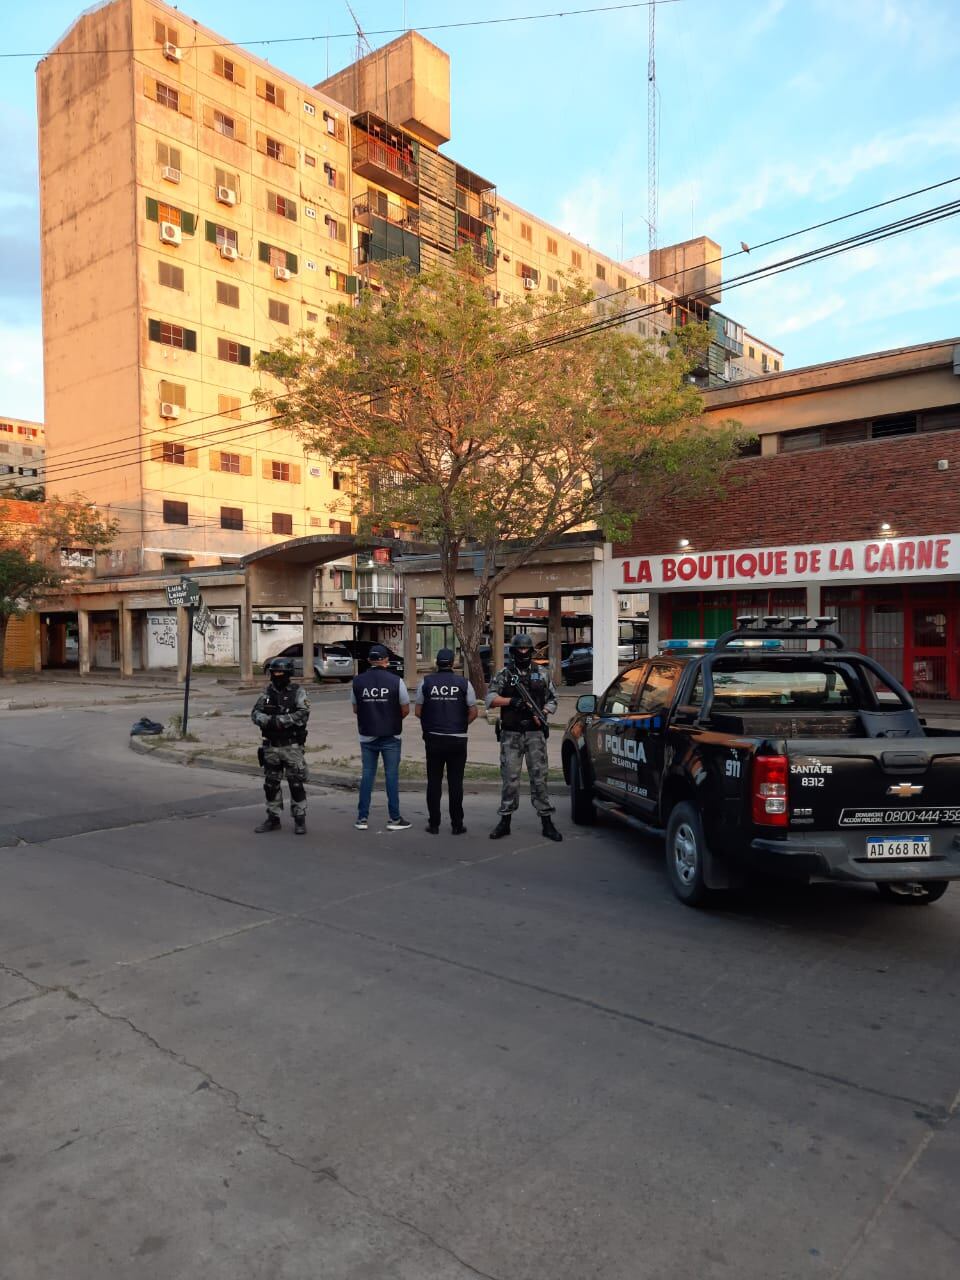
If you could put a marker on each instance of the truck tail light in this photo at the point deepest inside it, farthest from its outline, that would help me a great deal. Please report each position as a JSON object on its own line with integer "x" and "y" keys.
{"x": 769, "y": 791}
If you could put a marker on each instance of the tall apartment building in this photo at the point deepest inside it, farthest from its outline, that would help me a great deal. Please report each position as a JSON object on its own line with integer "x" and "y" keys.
{"x": 197, "y": 205}
{"x": 22, "y": 454}
{"x": 195, "y": 209}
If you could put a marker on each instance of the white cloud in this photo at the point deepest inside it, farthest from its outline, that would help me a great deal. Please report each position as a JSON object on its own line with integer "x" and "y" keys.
{"x": 827, "y": 173}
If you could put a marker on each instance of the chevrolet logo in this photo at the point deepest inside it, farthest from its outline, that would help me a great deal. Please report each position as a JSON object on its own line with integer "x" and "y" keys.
{"x": 903, "y": 790}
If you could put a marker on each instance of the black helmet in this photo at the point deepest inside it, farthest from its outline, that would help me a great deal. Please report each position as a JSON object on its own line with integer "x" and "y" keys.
{"x": 281, "y": 670}
{"x": 521, "y": 650}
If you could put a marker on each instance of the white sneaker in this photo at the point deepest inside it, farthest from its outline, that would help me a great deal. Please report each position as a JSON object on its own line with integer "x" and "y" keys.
{"x": 361, "y": 824}
{"x": 398, "y": 824}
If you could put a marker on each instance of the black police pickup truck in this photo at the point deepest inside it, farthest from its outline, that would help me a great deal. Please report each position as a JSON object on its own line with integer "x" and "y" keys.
{"x": 757, "y": 752}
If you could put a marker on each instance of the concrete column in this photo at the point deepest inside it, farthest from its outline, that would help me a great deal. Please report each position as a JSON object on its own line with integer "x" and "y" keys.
{"x": 496, "y": 629}
{"x": 812, "y": 608}
{"x": 246, "y": 635}
{"x": 308, "y": 628}
{"x": 184, "y": 641}
{"x": 606, "y": 616}
{"x": 410, "y": 641}
{"x": 83, "y": 639}
{"x": 555, "y": 636}
{"x": 653, "y": 613}
{"x": 126, "y": 641}
{"x": 37, "y": 644}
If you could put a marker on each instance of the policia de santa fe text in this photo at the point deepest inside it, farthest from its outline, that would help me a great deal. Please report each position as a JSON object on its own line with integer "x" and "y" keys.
{"x": 281, "y": 714}
{"x": 526, "y": 696}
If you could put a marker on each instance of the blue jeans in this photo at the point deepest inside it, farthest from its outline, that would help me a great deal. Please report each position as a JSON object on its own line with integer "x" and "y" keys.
{"x": 389, "y": 748}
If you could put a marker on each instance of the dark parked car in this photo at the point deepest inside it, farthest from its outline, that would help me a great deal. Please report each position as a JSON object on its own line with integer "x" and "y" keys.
{"x": 360, "y": 649}
{"x": 330, "y": 661}
{"x": 576, "y": 660}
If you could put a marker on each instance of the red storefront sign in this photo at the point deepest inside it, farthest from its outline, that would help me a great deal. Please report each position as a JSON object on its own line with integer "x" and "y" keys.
{"x": 882, "y": 560}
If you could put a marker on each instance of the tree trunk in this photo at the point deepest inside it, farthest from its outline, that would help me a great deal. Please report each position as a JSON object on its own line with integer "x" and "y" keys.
{"x": 4, "y": 619}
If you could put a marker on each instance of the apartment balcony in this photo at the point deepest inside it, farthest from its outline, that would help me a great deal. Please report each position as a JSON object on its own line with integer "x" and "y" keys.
{"x": 374, "y": 205}
{"x": 385, "y": 155}
{"x": 477, "y": 236}
{"x": 389, "y": 601}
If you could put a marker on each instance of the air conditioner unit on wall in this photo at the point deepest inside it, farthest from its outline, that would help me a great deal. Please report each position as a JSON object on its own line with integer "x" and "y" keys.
{"x": 169, "y": 410}
{"x": 170, "y": 233}
{"x": 171, "y": 52}
{"x": 170, "y": 174}
{"x": 229, "y": 252}
{"x": 281, "y": 273}
{"x": 268, "y": 621}
{"x": 528, "y": 283}
{"x": 221, "y": 619}
{"x": 349, "y": 593}
{"x": 624, "y": 605}
{"x": 226, "y": 196}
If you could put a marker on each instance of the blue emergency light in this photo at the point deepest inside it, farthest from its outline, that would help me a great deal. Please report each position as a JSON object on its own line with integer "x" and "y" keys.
{"x": 698, "y": 646}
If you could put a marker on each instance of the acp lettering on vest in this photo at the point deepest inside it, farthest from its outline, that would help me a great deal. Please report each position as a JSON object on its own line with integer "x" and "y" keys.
{"x": 374, "y": 693}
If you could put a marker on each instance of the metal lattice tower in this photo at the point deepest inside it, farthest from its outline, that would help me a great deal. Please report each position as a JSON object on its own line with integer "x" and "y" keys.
{"x": 652, "y": 131}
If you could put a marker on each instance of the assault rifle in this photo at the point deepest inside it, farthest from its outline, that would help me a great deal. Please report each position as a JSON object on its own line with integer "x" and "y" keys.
{"x": 538, "y": 715}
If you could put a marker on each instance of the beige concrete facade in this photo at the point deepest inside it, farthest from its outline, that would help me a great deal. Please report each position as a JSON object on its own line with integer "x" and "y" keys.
{"x": 23, "y": 449}
{"x": 195, "y": 209}
{"x": 844, "y": 395}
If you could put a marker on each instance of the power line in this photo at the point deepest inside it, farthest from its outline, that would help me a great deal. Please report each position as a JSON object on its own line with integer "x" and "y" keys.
{"x": 616, "y": 320}
{"x": 351, "y": 35}
{"x": 140, "y": 450}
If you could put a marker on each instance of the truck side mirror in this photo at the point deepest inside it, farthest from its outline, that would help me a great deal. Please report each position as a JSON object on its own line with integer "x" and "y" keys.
{"x": 587, "y": 704}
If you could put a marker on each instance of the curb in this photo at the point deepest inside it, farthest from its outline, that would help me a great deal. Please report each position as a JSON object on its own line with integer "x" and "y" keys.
{"x": 317, "y": 776}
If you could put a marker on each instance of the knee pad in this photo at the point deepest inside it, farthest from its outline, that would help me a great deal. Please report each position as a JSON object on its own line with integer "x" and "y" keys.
{"x": 271, "y": 788}
{"x": 297, "y": 790}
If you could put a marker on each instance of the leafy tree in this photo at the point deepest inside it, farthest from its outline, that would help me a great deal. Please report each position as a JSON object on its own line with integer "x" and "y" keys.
{"x": 30, "y": 554}
{"x": 490, "y": 429}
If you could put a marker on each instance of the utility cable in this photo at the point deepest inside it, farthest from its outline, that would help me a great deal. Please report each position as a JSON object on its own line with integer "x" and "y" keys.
{"x": 352, "y": 35}
{"x": 617, "y": 319}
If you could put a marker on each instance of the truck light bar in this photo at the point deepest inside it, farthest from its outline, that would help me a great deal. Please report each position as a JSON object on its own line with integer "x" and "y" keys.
{"x": 703, "y": 646}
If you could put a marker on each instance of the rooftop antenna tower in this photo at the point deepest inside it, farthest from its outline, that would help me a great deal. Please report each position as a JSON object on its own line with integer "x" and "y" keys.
{"x": 652, "y": 130}
{"x": 363, "y": 47}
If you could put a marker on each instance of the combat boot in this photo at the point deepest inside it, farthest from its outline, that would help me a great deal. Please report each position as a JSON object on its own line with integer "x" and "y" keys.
{"x": 549, "y": 830}
{"x": 502, "y": 828}
{"x": 299, "y": 824}
{"x": 270, "y": 823}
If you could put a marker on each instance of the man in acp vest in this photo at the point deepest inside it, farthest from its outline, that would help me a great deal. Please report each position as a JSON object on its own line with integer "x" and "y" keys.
{"x": 446, "y": 705}
{"x": 381, "y": 703}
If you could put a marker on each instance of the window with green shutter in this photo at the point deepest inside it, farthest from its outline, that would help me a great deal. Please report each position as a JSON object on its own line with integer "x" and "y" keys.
{"x": 292, "y": 263}
{"x": 264, "y": 251}
{"x": 153, "y": 214}
{"x": 211, "y": 232}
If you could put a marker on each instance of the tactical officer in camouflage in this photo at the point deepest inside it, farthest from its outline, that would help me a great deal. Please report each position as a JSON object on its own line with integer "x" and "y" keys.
{"x": 281, "y": 713}
{"x": 526, "y": 696}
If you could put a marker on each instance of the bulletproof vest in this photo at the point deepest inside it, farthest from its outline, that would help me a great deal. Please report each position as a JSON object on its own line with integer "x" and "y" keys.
{"x": 283, "y": 702}
{"x": 378, "y": 703}
{"x": 520, "y": 719}
{"x": 444, "y": 707}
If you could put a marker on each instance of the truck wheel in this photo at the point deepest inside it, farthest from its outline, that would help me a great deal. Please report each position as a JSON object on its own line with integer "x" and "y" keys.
{"x": 582, "y": 811}
{"x": 912, "y": 893}
{"x": 685, "y": 855}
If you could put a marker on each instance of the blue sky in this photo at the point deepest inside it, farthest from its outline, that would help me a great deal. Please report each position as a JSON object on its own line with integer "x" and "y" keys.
{"x": 774, "y": 115}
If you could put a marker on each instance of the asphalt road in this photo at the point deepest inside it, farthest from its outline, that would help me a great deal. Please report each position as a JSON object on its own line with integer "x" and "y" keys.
{"x": 386, "y": 1056}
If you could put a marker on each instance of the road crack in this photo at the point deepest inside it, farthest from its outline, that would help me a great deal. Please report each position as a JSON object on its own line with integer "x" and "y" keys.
{"x": 256, "y": 1122}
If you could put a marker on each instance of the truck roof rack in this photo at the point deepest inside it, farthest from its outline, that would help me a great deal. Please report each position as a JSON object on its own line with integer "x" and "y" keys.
{"x": 775, "y": 627}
